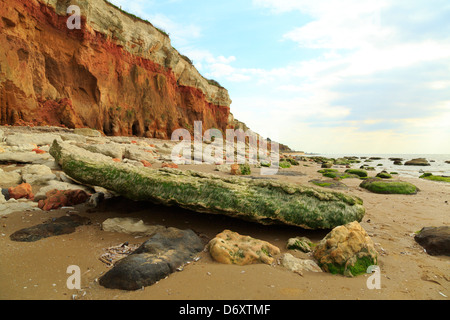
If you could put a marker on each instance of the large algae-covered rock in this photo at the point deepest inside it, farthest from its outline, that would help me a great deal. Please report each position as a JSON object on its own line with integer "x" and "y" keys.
{"x": 265, "y": 201}
{"x": 346, "y": 250}
{"x": 377, "y": 185}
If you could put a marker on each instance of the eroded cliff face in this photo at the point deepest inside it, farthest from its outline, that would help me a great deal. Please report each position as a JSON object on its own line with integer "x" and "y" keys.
{"x": 117, "y": 74}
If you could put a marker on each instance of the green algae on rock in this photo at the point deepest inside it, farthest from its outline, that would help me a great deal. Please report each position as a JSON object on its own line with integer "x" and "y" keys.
{"x": 430, "y": 176}
{"x": 265, "y": 201}
{"x": 359, "y": 172}
{"x": 346, "y": 250}
{"x": 384, "y": 175}
{"x": 377, "y": 185}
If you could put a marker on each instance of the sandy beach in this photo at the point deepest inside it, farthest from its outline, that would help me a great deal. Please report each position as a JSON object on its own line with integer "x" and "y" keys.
{"x": 38, "y": 270}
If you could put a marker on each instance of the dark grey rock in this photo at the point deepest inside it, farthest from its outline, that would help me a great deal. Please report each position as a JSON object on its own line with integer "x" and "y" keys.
{"x": 56, "y": 227}
{"x": 435, "y": 240}
{"x": 157, "y": 258}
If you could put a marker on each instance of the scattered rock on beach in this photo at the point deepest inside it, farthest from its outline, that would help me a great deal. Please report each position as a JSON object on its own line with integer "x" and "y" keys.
{"x": 87, "y": 132}
{"x": 346, "y": 250}
{"x": 58, "y": 185}
{"x": 430, "y": 176}
{"x": 300, "y": 243}
{"x": 231, "y": 248}
{"x": 299, "y": 265}
{"x": 57, "y": 199}
{"x": 22, "y": 191}
{"x": 156, "y": 259}
{"x": 59, "y": 226}
{"x": 384, "y": 175}
{"x": 10, "y": 178}
{"x": 377, "y": 185}
{"x": 359, "y": 172}
{"x": 132, "y": 226}
{"x": 417, "y": 162}
{"x": 37, "y": 174}
{"x": 436, "y": 241}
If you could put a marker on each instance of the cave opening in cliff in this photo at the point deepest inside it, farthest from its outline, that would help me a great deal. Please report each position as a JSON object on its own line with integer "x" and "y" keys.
{"x": 136, "y": 129}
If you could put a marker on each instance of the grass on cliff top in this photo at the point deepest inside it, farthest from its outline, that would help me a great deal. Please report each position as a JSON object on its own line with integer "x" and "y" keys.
{"x": 136, "y": 17}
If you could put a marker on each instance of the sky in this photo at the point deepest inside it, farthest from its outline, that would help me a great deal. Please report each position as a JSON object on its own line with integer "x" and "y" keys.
{"x": 323, "y": 76}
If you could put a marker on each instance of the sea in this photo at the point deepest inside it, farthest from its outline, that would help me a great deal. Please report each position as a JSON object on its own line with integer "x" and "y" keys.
{"x": 437, "y": 163}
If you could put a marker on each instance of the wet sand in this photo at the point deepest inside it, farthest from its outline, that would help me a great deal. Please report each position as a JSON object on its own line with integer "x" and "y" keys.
{"x": 38, "y": 270}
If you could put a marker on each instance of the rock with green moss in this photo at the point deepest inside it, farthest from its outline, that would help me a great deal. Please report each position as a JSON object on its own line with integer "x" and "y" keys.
{"x": 417, "y": 162}
{"x": 430, "y": 176}
{"x": 293, "y": 161}
{"x": 359, "y": 172}
{"x": 331, "y": 184}
{"x": 266, "y": 201}
{"x": 327, "y": 165}
{"x": 346, "y": 250}
{"x": 377, "y": 185}
{"x": 245, "y": 169}
{"x": 300, "y": 243}
{"x": 384, "y": 175}
{"x": 285, "y": 164}
{"x": 335, "y": 174}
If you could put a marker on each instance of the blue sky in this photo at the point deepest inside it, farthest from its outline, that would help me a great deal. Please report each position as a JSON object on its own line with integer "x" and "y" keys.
{"x": 327, "y": 76}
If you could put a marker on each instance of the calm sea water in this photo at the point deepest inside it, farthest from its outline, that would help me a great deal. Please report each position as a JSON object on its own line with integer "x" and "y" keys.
{"x": 437, "y": 161}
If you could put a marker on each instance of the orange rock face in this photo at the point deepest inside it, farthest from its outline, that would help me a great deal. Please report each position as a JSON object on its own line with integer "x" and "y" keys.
{"x": 22, "y": 191}
{"x": 57, "y": 199}
{"x": 51, "y": 75}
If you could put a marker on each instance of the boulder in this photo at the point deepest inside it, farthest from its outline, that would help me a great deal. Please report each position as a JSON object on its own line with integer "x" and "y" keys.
{"x": 10, "y": 178}
{"x": 58, "y": 185}
{"x": 300, "y": 243}
{"x": 264, "y": 201}
{"x": 331, "y": 184}
{"x": 231, "y": 248}
{"x": 359, "y": 172}
{"x": 417, "y": 162}
{"x": 22, "y": 191}
{"x": 87, "y": 132}
{"x": 56, "y": 199}
{"x": 13, "y": 205}
{"x": 134, "y": 227}
{"x": 225, "y": 168}
{"x": 37, "y": 174}
{"x": 384, "y": 175}
{"x": 346, "y": 250}
{"x": 436, "y": 241}
{"x": 137, "y": 153}
{"x": 377, "y": 185}
{"x": 430, "y": 176}
{"x": 41, "y": 139}
{"x": 112, "y": 150}
{"x": 299, "y": 265}
{"x": 157, "y": 258}
{"x": 60, "y": 226}
{"x": 23, "y": 157}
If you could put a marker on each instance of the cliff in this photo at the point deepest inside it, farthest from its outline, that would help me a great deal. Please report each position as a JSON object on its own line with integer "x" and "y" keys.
{"x": 117, "y": 73}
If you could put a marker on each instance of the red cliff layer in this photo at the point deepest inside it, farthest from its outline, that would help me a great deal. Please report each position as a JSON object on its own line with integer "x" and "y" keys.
{"x": 50, "y": 75}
